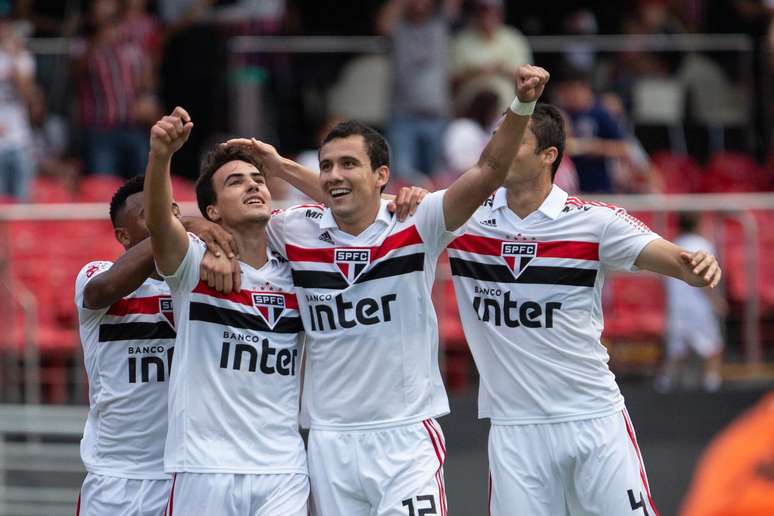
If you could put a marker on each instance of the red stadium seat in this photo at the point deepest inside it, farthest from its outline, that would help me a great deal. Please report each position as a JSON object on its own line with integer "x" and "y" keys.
{"x": 183, "y": 189}
{"x": 680, "y": 173}
{"x": 99, "y": 188}
{"x": 733, "y": 172}
{"x": 46, "y": 190}
{"x": 634, "y": 307}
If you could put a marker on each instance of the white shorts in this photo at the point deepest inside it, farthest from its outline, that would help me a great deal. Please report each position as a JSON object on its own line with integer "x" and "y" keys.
{"x": 394, "y": 471}
{"x": 225, "y": 494}
{"x": 704, "y": 339}
{"x": 101, "y": 495}
{"x": 591, "y": 467}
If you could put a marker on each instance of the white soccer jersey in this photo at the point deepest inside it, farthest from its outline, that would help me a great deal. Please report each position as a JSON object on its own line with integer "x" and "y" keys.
{"x": 529, "y": 294}
{"x": 233, "y": 398}
{"x": 371, "y": 329}
{"x": 127, "y": 351}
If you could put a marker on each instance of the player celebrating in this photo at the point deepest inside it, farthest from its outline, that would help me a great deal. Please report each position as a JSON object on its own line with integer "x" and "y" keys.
{"x": 233, "y": 440}
{"x": 363, "y": 280}
{"x": 528, "y": 274}
{"x": 127, "y": 333}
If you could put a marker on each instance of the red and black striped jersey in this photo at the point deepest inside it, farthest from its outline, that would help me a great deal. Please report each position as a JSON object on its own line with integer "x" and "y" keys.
{"x": 530, "y": 298}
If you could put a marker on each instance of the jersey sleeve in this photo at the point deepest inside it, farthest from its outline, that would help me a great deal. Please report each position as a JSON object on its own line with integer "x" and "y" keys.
{"x": 275, "y": 232}
{"x": 89, "y": 271}
{"x": 186, "y": 277}
{"x": 623, "y": 239}
{"x": 431, "y": 223}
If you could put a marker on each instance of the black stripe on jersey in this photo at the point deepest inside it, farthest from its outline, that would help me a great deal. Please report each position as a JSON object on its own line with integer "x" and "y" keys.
{"x": 135, "y": 331}
{"x": 385, "y": 269}
{"x": 236, "y": 319}
{"x": 532, "y": 275}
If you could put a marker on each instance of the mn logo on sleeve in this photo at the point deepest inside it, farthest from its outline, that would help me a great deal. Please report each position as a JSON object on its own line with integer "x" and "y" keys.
{"x": 352, "y": 262}
{"x": 270, "y": 307}
{"x": 518, "y": 255}
{"x": 165, "y": 307}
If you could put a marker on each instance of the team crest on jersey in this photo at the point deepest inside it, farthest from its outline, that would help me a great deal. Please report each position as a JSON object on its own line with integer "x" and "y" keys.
{"x": 269, "y": 306}
{"x": 165, "y": 307}
{"x": 352, "y": 262}
{"x": 518, "y": 255}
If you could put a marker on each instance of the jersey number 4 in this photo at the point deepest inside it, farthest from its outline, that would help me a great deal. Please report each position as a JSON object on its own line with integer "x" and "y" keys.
{"x": 637, "y": 504}
{"x": 421, "y": 511}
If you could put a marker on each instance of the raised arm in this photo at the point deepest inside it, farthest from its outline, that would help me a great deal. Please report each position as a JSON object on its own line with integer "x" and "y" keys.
{"x": 698, "y": 269}
{"x": 124, "y": 277}
{"x": 168, "y": 236}
{"x": 471, "y": 189}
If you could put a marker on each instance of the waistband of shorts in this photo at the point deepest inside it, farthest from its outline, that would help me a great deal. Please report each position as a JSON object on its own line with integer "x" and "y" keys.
{"x": 379, "y": 425}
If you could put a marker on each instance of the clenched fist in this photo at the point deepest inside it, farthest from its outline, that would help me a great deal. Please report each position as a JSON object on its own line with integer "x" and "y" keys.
{"x": 530, "y": 82}
{"x": 169, "y": 134}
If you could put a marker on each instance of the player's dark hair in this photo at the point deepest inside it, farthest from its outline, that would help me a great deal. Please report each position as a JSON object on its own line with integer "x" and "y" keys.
{"x": 216, "y": 158}
{"x": 687, "y": 221}
{"x": 117, "y": 203}
{"x": 548, "y": 127}
{"x": 376, "y": 146}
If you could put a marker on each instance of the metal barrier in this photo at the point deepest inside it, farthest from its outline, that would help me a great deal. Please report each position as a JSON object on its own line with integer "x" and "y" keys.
{"x": 40, "y": 464}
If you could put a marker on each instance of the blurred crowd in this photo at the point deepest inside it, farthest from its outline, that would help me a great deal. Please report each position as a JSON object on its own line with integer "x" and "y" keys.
{"x": 446, "y": 80}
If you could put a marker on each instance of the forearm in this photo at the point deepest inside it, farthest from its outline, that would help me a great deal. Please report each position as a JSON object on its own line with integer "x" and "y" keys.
{"x": 124, "y": 277}
{"x": 305, "y": 179}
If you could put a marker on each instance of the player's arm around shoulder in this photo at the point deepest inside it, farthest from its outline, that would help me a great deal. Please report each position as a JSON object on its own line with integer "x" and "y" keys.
{"x": 470, "y": 190}
{"x": 168, "y": 236}
{"x": 106, "y": 286}
{"x": 698, "y": 268}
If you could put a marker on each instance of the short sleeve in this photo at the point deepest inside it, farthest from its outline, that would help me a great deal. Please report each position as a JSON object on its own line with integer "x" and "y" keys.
{"x": 89, "y": 271}
{"x": 431, "y": 223}
{"x": 186, "y": 277}
{"x": 275, "y": 231}
{"x": 623, "y": 239}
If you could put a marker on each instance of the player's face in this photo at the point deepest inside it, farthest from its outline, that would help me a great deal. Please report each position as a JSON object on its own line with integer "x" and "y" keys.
{"x": 131, "y": 228}
{"x": 242, "y": 196}
{"x": 528, "y": 164}
{"x": 350, "y": 186}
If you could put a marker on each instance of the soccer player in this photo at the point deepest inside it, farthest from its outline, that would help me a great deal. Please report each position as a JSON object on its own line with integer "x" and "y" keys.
{"x": 127, "y": 333}
{"x": 528, "y": 274}
{"x": 372, "y": 386}
{"x": 233, "y": 441}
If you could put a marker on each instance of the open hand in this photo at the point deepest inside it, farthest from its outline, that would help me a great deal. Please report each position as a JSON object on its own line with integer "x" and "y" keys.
{"x": 703, "y": 269}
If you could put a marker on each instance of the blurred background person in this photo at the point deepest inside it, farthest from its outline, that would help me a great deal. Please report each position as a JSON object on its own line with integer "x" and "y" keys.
{"x": 693, "y": 318}
{"x": 486, "y": 54}
{"x": 466, "y": 136}
{"x": 17, "y": 87}
{"x": 115, "y": 96}
{"x": 420, "y": 95}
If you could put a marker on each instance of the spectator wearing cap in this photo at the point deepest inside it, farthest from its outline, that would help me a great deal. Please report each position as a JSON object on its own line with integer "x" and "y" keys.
{"x": 486, "y": 54}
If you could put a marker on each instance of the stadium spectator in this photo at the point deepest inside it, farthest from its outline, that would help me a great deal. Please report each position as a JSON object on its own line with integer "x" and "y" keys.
{"x": 693, "y": 318}
{"x": 51, "y": 144}
{"x": 596, "y": 134}
{"x": 17, "y": 87}
{"x": 115, "y": 96}
{"x": 142, "y": 28}
{"x": 421, "y": 97}
{"x": 486, "y": 54}
{"x": 466, "y": 136}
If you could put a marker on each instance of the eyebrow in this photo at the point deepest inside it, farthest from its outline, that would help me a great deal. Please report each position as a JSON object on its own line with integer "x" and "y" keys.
{"x": 242, "y": 174}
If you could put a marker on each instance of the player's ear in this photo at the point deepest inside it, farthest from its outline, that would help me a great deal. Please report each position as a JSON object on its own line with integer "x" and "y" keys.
{"x": 382, "y": 176}
{"x": 212, "y": 213}
{"x": 550, "y": 155}
{"x": 175, "y": 209}
{"x": 122, "y": 235}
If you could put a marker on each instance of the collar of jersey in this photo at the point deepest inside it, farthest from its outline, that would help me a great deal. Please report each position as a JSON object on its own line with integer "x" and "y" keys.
{"x": 552, "y": 205}
{"x": 327, "y": 221}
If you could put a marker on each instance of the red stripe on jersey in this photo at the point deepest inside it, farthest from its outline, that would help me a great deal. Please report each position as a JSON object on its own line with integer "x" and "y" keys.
{"x": 633, "y": 438}
{"x": 78, "y": 505}
{"x": 558, "y": 249}
{"x": 135, "y": 305}
{"x": 244, "y": 297}
{"x": 311, "y": 205}
{"x": 406, "y": 237}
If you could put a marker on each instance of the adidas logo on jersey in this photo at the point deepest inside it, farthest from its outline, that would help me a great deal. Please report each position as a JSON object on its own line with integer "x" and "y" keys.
{"x": 518, "y": 255}
{"x": 326, "y": 237}
{"x": 490, "y": 222}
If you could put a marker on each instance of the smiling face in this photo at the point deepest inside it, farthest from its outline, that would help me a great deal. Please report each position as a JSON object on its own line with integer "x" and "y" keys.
{"x": 352, "y": 188}
{"x": 241, "y": 195}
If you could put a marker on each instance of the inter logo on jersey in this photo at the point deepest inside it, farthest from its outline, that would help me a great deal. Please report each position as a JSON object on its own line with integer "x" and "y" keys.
{"x": 352, "y": 262}
{"x": 269, "y": 306}
{"x": 165, "y": 307}
{"x": 518, "y": 255}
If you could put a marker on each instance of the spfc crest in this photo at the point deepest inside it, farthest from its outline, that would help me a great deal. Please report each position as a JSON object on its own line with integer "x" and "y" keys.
{"x": 270, "y": 306}
{"x": 165, "y": 307}
{"x": 517, "y": 255}
{"x": 352, "y": 262}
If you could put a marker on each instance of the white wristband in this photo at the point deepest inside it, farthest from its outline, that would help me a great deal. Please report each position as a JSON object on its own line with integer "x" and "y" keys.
{"x": 523, "y": 108}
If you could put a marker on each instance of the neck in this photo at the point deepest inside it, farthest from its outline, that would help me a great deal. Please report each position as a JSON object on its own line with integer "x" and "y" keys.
{"x": 526, "y": 195}
{"x": 251, "y": 241}
{"x": 358, "y": 222}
